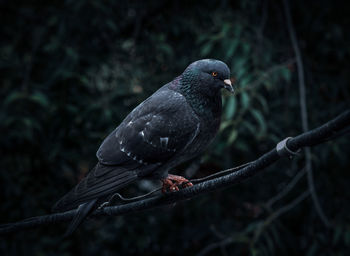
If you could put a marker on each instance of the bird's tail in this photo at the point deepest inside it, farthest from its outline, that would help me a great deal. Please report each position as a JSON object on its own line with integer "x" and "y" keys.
{"x": 82, "y": 212}
{"x": 102, "y": 181}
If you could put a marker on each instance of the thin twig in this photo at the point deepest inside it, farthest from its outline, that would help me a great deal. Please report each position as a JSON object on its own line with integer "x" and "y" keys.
{"x": 312, "y": 137}
{"x": 239, "y": 237}
{"x": 303, "y": 110}
{"x": 231, "y": 239}
{"x": 277, "y": 214}
{"x": 213, "y": 246}
{"x": 286, "y": 189}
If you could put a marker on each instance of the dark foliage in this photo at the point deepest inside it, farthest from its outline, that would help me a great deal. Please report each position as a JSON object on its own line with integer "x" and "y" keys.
{"x": 71, "y": 70}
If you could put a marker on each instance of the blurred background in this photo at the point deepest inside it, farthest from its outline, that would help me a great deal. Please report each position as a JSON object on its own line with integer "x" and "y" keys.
{"x": 72, "y": 70}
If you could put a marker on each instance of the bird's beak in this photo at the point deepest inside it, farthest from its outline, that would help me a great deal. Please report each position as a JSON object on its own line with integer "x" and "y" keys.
{"x": 228, "y": 85}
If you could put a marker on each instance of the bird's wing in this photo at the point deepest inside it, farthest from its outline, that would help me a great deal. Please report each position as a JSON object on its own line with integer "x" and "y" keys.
{"x": 158, "y": 129}
{"x": 95, "y": 186}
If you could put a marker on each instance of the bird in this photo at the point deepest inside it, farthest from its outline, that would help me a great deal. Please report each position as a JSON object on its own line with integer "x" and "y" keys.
{"x": 173, "y": 125}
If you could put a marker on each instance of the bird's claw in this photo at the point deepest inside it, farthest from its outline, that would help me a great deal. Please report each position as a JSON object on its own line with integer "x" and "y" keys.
{"x": 173, "y": 182}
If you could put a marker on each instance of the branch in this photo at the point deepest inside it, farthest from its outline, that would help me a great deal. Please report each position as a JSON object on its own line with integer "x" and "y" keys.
{"x": 309, "y": 138}
{"x": 303, "y": 110}
{"x": 213, "y": 246}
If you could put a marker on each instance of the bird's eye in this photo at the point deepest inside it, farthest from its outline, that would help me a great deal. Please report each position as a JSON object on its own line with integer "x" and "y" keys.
{"x": 214, "y": 73}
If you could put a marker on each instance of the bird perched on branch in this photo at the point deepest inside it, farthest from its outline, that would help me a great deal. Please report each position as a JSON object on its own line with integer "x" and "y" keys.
{"x": 173, "y": 125}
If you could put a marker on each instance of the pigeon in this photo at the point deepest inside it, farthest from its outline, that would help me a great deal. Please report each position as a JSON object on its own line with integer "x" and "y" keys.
{"x": 173, "y": 125}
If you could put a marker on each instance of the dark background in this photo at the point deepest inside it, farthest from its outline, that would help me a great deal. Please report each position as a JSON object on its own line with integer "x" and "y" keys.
{"x": 71, "y": 70}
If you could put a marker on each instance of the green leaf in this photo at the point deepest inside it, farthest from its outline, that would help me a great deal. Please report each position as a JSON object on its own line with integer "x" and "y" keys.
{"x": 39, "y": 98}
{"x": 254, "y": 252}
{"x": 232, "y": 48}
{"x": 225, "y": 124}
{"x": 253, "y": 226}
{"x": 337, "y": 234}
{"x": 71, "y": 53}
{"x": 53, "y": 45}
{"x": 201, "y": 38}
{"x": 14, "y": 96}
{"x": 167, "y": 49}
{"x": 128, "y": 44}
{"x": 246, "y": 48}
{"x": 245, "y": 81}
{"x": 206, "y": 49}
{"x": 261, "y": 122}
{"x": 312, "y": 250}
{"x": 52, "y": 21}
{"x": 111, "y": 25}
{"x": 232, "y": 137}
{"x": 84, "y": 80}
{"x": 226, "y": 27}
{"x": 286, "y": 74}
{"x": 72, "y": 109}
{"x": 263, "y": 103}
{"x": 230, "y": 108}
{"x": 249, "y": 127}
{"x": 238, "y": 30}
{"x": 240, "y": 68}
{"x": 245, "y": 101}
{"x": 347, "y": 238}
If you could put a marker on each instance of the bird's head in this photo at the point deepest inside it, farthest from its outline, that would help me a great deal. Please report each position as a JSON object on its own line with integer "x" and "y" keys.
{"x": 208, "y": 76}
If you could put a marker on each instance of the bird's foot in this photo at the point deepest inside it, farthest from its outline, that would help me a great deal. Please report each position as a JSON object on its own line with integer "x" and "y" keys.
{"x": 172, "y": 183}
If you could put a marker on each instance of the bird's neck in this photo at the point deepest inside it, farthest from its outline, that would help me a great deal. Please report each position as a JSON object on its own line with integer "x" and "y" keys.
{"x": 204, "y": 105}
